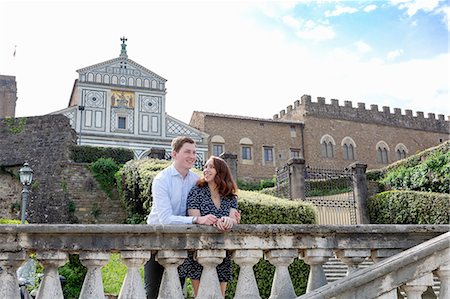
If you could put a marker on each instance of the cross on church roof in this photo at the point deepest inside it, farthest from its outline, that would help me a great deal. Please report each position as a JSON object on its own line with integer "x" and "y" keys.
{"x": 123, "y": 52}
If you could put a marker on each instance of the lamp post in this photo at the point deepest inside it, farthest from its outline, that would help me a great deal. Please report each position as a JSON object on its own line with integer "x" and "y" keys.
{"x": 81, "y": 108}
{"x": 26, "y": 176}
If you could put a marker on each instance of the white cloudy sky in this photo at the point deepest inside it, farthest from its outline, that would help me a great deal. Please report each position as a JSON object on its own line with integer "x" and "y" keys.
{"x": 251, "y": 58}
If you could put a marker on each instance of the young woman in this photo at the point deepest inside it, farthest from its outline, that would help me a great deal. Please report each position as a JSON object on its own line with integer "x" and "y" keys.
{"x": 214, "y": 193}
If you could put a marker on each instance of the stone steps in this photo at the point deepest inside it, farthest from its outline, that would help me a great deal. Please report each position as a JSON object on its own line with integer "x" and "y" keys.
{"x": 335, "y": 269}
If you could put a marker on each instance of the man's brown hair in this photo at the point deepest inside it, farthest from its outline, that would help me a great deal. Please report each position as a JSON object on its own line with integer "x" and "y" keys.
{"x": 178, "y": 142}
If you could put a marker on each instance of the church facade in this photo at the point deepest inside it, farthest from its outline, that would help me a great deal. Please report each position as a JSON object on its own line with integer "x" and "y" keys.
{"x": 120, "y": 103}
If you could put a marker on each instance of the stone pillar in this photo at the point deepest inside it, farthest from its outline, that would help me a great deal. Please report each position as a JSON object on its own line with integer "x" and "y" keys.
{"x": 157, "y": 153}
{"x": 170, "y": 284}
{"x": 443, "y": 272}
{"x": 315, "y": 258}
{"x": 360, "y": 191}
{"x": 51, "y": 285}
{"x": 231, "y": 160}
{"x": 414, "y": 289}
{"x": 352, "y": 257}
{"x": 209, "y": 282}
{"x": 9, "y": 284}
{"x": 132, "y": 287}
{"x": 247, "y": 287}
{"x": 282, "y": 287}
{"x": 297, "y": 177}
{"x": 93, "y": 285}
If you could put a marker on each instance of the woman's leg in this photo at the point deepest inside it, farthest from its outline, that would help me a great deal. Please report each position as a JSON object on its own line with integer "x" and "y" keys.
{"x": 223, "y": 287}
{"x": 195, "y": 285}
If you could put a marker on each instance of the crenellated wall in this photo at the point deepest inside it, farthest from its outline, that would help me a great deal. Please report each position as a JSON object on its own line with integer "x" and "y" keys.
{"x": 306, "y": 107}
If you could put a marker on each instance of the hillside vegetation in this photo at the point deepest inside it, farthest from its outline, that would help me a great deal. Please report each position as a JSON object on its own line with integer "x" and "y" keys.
{"x": 417, "y": 189}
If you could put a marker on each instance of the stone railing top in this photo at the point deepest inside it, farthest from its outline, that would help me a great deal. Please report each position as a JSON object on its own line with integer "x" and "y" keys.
{"x": 117, "y": 237}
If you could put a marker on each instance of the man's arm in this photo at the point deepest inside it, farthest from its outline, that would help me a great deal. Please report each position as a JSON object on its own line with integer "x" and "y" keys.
{"x": 206, "y": 220}
{"x": 163, "y": 205}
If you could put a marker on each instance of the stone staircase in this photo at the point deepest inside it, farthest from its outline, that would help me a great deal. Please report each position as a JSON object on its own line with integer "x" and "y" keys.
{"x": 335, "y": 269}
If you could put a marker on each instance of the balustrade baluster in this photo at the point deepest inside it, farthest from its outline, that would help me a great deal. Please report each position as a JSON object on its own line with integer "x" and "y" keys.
{"x": 443, "y": 272}
{"x": 282, "y": 287}
{"x": 133, "y": 287}
{"x": 9, "y": 284}
{"x": 247, "y": 287}
{"x": 170, "y": 285}
{"x": 377, "y": 256}
{"x": 415, "y": 288}
{"x": 209, "y": 282}
{"x": 352, "y": 257}
{"x": 50, "y": 287}
{"x": 315, "y": 258}
{"x": 92, "y": 285}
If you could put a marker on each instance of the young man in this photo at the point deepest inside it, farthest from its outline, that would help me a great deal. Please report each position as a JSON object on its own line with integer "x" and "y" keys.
{"x": 170, "y": 188}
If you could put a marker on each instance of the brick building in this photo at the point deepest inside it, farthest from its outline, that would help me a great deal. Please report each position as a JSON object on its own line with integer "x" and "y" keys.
{"x": 261, "y": 145}
{"x": 327, "y": 135}
{"x": 8, "y": 96}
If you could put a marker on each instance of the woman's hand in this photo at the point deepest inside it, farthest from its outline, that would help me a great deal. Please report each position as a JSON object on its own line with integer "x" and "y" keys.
{"x": 225, "y": 223}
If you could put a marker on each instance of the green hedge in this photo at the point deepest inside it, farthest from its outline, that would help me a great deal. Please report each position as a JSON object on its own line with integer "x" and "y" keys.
{"x": 409, "y": 207}
{"x": 90, "y": 154}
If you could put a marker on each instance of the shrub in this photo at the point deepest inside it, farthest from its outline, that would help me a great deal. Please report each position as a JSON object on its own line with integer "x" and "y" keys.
{"x": 90, "y": 154}
{"x": 409, "y": 207}
{"x": 104, "y": 171}
{"x": 74, "y": 273}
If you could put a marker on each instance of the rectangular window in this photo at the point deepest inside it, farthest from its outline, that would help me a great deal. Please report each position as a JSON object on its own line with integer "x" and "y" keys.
{"x": 268, "y": 154}
{"x": 295, "y": 153}
{"x": 217, "y": 149}
{"x": 121, "y": 122}
{"x": 246, "y": 153}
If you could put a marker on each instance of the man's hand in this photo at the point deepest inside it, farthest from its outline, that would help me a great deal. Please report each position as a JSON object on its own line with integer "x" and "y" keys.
{"x": 207, "y": 220}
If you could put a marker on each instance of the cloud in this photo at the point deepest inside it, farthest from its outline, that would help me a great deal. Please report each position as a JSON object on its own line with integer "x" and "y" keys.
{"x": 291, "y": 22}
{"x": 316, "y": 32}
{"x": 363, "y": 47}
{"x": 412, "y": 7}
{"x": 370, "y": 8}
{"x": 394, "y": 54}
{"x": 341, "y": 10}
{"x": 445, "y": 11}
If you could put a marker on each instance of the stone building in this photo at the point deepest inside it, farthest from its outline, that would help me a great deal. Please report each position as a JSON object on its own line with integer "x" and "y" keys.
{"x": 120, "y": 103}
{"x": 8, "y": 96}
{"x": 261, "y": 145}
{"x": 326, "y": 135}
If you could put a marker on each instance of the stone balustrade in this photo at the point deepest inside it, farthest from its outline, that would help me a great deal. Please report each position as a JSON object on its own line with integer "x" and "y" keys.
{"x": 279, "y": 244}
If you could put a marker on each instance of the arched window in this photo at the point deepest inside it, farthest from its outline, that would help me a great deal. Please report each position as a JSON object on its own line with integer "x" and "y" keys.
{"x": 401, "y": 151}
{"x": 348, "y": 148}
{"x": 98, "y": 78}
{"x": 327, "y": 144}
{"x": 382, "y": 152}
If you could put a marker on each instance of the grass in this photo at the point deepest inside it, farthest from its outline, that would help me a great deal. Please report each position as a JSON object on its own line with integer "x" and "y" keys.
{"x": 113, "y": 274}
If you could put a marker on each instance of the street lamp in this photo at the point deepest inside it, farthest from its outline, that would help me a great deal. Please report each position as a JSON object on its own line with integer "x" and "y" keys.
{"x": 26, "y": 176}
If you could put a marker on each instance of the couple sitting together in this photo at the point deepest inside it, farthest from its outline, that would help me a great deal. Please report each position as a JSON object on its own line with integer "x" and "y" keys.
{"x": 209, "y": 200}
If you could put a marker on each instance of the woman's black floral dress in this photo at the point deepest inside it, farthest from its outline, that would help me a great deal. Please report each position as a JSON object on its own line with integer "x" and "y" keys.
{"x": 200, "y": 198}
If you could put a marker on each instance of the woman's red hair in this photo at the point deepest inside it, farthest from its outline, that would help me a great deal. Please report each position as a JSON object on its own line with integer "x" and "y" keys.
{"x": 223, "y": 179}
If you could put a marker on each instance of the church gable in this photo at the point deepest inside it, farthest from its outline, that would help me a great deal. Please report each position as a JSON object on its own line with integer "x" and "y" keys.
{"x": 124, "y": 72}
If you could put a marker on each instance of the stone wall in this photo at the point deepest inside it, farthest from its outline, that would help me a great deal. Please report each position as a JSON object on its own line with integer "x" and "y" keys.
{"x": 61, "y": 192}
{"x": 8, "y": 96}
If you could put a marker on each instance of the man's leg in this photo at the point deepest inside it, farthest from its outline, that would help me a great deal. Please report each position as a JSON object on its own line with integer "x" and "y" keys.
{"x": 153, "y": 273}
